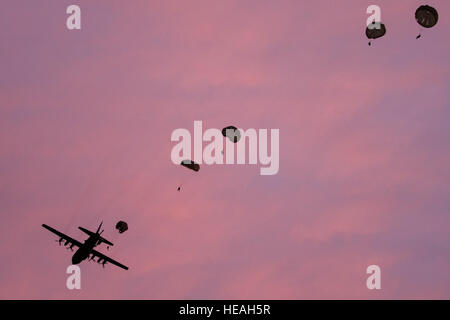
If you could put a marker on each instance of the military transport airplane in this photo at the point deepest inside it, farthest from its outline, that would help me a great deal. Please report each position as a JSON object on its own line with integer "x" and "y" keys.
{"x": 86, "y": 249}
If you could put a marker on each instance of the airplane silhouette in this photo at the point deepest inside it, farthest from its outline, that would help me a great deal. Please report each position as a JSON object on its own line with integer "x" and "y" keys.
{"x": 86, "y": 249}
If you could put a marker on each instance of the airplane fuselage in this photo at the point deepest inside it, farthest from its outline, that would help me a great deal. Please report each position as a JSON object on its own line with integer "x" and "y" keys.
{"x": 85, "y": 250}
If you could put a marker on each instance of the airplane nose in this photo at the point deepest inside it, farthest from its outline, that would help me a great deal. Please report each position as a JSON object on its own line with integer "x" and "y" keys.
{"x": 75, "y": 260}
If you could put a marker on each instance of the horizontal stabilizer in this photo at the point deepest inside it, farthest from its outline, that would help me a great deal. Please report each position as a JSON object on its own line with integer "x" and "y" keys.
{"x": 100, "y": 238}
{"x": 106, "y": 241}
{"x": 86, "y": 231}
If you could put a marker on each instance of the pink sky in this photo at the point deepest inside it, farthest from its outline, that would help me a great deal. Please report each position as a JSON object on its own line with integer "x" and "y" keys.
{"x": 85, "y": 124}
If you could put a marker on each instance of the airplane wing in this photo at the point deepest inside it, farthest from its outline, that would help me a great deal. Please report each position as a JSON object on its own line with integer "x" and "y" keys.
{"x": 105, "y": 259}
{"x": 63, "y": 236}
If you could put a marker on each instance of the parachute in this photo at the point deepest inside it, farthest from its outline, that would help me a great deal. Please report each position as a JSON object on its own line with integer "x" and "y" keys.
{"x": 232, "y": 133}
{"x": 427, "y": 17}
{"x": 190, "y": 165}
{"x": 375, "y": 30}
{"x": 122, "y": 226}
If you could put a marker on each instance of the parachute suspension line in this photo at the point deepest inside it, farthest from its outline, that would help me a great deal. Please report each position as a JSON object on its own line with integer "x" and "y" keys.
{"x": 83, "y": 197}
{"x": 420, "y": 33}
{"x": 116, "y": 196}
{"x": 114, "y": 237}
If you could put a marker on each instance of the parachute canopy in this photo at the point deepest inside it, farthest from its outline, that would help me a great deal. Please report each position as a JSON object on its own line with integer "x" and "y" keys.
{"x": 427, "y": 16}
{"x": 232, "y": 133}
{"x": 190, "y": 165}
{"x": 375, "y": 30}
{"x": 122, "y": 226}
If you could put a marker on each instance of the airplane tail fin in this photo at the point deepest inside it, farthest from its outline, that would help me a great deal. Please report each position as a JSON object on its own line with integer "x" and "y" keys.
{"x": 98, "y": 233}
{"x": 99, "y": 227}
